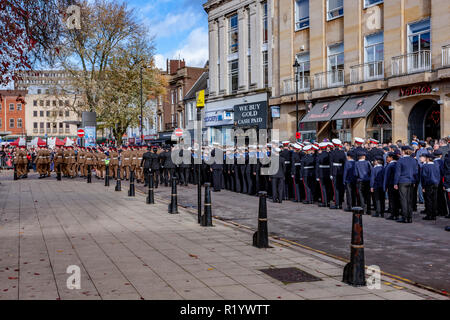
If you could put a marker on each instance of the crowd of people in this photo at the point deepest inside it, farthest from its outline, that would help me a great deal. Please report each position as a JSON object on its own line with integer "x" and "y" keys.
{"x": 332, "y": 174}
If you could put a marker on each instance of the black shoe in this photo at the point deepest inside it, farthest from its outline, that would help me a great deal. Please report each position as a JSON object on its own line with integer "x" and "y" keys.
{"x": 402, "y": 220}
{"x": 334, "y": 207}
{"x": 447, "y": 228}
{"x": 375, "y": 215}
{"x": 391, "y": 217}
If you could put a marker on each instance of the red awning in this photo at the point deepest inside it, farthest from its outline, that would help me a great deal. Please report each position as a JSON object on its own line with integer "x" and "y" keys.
{"x": 59, "y": 142}
{"x": 41, "y": 143}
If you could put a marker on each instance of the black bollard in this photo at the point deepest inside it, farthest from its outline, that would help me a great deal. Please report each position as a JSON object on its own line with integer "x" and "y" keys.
{"x": 58, "y": 173}
{"x": 199, "y": 194}
{"x": 151, "y": 196}
{"x": 131, "y": 192}
{"x": 207, "y": 216}
{"x": 15, "y": 172}
{"x": 107, "y": 176}
{"x": 261, "y": 237}
{"x": 354, "y": 271}
{"x": 173, "y": 206}
{"x": 89, "y": 177}
{"x": 118, "y": 182}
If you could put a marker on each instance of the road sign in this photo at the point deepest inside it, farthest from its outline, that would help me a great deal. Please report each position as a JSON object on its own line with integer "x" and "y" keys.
{"x": 201, "y": 99}
{"x": 80, "y": 133}
{"x": 179, "y": 132}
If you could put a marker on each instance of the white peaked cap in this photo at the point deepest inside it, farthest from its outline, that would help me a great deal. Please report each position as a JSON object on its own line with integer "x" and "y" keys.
{"x": 277, "y": 149}
{"x": 315, "y": 147}
{"x": 307, "y": 148}
{"x": 323, "y": 144}
{"x": 359, "y": 140}
{"x": 336, "y": 142}
{"x": 297, "y": 146}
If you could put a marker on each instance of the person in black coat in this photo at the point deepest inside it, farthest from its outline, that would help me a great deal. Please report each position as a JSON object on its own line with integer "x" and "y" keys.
{"x": 185, "y": 167}
{"x": 337, "y": 163}
{"x": 169, "y": 167}
{"x": 277, "y": 179}
{"x": 307, "y": 174}
{"x": 296, "y": 162}
{"x": 146, "y": 164}
{"x": 217, "y": 170}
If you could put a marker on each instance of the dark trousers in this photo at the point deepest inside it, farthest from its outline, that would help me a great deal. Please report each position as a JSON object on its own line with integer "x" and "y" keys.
{"x": 277, "y": 189}
{"x": 169, "y": 173}
{"x": 350, "y": 189}
{"x": 249, "y": 178}
{"x": 379, "y": 201}
{"x": 296, "y": 184}
{"x": 431, "y": 203}
{"x": 338, "y": 190}
{"x": 184, "y": 175}
{"x": 217, "y": 176}
{"x": 405, "y": 192}
{"x": 325, "y": 187}
{"x": 363, "y": 188}
{"x": 448, "y": 201}
{"x": 441, "y": 201}
{"x": 309, "y": 185}
{"x": 244, "y": 182}
{"x": 394, "y": 201}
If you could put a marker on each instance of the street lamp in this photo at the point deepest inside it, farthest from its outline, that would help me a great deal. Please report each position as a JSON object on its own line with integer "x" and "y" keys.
{"x": 142, "y": 106}
{"x": 296, "y": 70}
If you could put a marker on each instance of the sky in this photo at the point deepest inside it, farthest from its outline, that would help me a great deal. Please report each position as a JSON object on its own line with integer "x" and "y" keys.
{"x": 180, "y": 28}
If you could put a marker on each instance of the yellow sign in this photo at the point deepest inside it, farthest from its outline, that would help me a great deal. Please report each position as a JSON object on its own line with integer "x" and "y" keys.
{"x": 201, "y": 99}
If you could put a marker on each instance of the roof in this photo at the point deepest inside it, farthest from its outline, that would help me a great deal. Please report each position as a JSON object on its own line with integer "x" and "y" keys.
{"x": 201, "y": 84}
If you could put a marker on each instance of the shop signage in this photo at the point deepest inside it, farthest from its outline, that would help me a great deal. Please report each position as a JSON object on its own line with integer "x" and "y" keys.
{"x": 218, "y": 118}
{"x": 251, "y": 115}
{"x": 411, "y": 91}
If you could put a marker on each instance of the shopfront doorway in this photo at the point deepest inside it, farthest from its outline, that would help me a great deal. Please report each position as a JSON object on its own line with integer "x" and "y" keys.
{"x": 425, "y": 120}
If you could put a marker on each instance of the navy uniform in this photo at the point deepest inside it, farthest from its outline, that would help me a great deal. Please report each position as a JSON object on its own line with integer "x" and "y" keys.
{"x": 296, "y": 171}
{"x": 253, "y": 167}
{"x": 441, "y": 195}
{"x": 337, "y": 163}
{"x": 393, "y": 194}
{"x": 446, "y": 183}
{"x": 287, "y": 155}
{"x": 406, "y": 175}
{"x": 430, "y": 178}
{"x": 323, "y": 174}
{"x": 169, "y": 167}
{"x": 349, "y": 180}
{"x": 217, "y": 173}
{"x": 239, "y": 170}
{"x": 184, "y": 168}
{"x": 278, "y": 179}
{"x": 377, "y": 186}
{"x": 308, "y": 165}
{"x": 363, "y": 171}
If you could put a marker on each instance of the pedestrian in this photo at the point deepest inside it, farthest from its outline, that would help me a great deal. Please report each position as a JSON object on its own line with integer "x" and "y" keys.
{"x": 388, "y": 182}
{"x": 363, "y": 170}
{"x": 376, "y": 186}
{"x": 278, "y": 177}
{"x": 349, "y": 180}
{"x": 430, "y": 178}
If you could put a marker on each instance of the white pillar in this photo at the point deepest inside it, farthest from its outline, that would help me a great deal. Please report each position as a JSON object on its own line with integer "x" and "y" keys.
{"x": 213, "y": 58}
{"x": 256, "y": 42}
{"x": 223, "y": 53}
{"x": 243, "y": 49}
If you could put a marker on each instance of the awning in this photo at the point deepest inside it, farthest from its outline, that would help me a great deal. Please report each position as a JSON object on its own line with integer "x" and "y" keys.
{"x": 359, "y": 106}
{"x": 323, "y": 110}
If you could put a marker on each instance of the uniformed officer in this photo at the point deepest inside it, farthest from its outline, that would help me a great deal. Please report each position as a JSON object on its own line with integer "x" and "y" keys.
{"x": 185, "y": 167}
{"x": 363, "y": 170}
{"x": 441, "y": 194}
{"x": 308, "y": 166}
{"x": 377, "y": 186}
{"x": 430, "y": 178}
{"x": 58, "y": 160}
{"x": 349, "y": 180}
{"x": 393, "y": 195}
{"x": 125, "y": 164}
{"x": 40, "y": 163}
{"x": 337, "y": 163}
{"x": 446, "y": 183}
{"x": 169, "y": 167}
{"x": 146, "y": 164}
{"x": 277, "y": 178}
{"x": 217, "y": 170}
{"x": 114, "y": 162}
{"x": 286, "y": 153}
{"x": 89, "y": 160}
{"x": 21, "y": 162}
{"x": 296, "y": 163}
{"x": 323, "y": 173}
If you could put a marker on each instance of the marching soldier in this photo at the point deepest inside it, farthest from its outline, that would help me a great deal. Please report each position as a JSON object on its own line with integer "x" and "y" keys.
{"x": 81, "y": 161}
{"x": 101, "y": 165}
{"x": 277, "y": 179}
{"x": 363, "y": 170}
{"x": 125, "y": 156}
{"x": 296, "y": 164}
{"x": 393, "y": 195}
{"x": 89, "y": 160}
{"x": 58, "y": 160}
{"x": 308, "y": 166}
{"x": 146, "y": 164}
{"x": 65, "y": 164}
{"x": 69, "y": 159}
{"x": 337, "y": 162}
{"x": 114, "y": 163}
{"x": 41, "y": 163}
{"x": 286, "y": 154}
{"x": 139, "y": 169}
{"x": 21, "y": 162}
{"x": 349, "y": 180}
{"x": 323, "y": 173}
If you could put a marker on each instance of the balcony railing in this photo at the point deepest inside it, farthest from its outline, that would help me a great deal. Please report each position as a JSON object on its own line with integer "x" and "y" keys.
{"x": 419, "y": 61}
{"x": 446, "y": 55}
{"x": 171, "y": 125}
{"x": 329, "y": 79}
{"x": 289, "y": 85}
{"x": 367, "y": 72}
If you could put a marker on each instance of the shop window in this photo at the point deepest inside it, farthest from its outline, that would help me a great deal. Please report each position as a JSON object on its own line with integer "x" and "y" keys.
{"x": 335, "y": 9}
{"x": 301, "y": 14}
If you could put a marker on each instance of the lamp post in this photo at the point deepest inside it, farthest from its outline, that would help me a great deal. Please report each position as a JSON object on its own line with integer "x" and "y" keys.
{"x": 142, "y": 106}
{"x": 296, "y": 70}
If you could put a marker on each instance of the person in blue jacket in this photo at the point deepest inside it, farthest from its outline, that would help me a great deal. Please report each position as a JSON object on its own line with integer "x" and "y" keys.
{"x": 377, "y": 186}
{"x": 430, "y": 177}
{"x": 406, "y": 176}
{"x": 393, "y": 195}
{"x": 349, "y": 180}
{"x": 363, "y": 170}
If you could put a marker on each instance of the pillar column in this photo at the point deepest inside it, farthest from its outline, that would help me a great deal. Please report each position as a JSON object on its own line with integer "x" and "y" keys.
{"x": 223, "y": 53}
{"x": 256, "y": 40}
{"x": 243, "y": 49}
{"x": 445, "y": 116}
{"x": 213, "y": 58}
{"x": 399, "y": 123}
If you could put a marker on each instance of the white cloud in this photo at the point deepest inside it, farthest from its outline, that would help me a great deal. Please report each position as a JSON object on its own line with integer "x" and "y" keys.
{"x": 174, "y": 23}
{"x": 160, "y": 61}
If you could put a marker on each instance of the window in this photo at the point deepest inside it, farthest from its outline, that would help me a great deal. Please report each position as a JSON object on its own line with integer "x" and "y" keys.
{"x": 233, "y": 66}
{"x": 19, "y": 123}
{"x": 41, "y": 103}
{"x": 266, "y": 68}
{"x": 41, "y": 113}
{"x": 374, "y": 56}
{"x": 47, "y": 103}
{"x": 39, "y": 91}
{"x": 335, "y": 9}
{"x": 368, "y": 3}
{"x": 11, "y": 107}
{"x": 35, "y": 114}
{"x": 265, "y": 23}
{"x": 47, "y": 113}
{"x": 419, "y": 36}
{"x": 61, "y": 103}
{"x": 54, "y": 103}
{"x": 19, "y": 107}
{"x": 67, "y": 113}
{"x": 233, "y": 34}
{"x": 60, "y": 113}
{"x": 336, "y": 64}
{"x": 47, "y": 91}
{"x": 35, "y": 103}
{"x": 11, "y": 122}
{"x": 301, "y": 14}
{"x": 303, "y": 70}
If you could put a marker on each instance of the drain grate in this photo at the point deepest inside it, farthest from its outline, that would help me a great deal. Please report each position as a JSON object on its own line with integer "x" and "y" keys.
{"x": 290, "y": 275}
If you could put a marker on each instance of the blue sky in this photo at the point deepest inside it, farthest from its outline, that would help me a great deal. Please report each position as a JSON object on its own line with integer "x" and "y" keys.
{"x": 180, "y": 28}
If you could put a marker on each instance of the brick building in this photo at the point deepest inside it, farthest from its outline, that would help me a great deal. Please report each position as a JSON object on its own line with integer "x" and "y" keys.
{"x": 171, "y": 112}
{"x": 12, "y": 114}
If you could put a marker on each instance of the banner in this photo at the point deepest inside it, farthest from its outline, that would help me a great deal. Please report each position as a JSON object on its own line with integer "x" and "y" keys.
{"x": 90, "y": 137}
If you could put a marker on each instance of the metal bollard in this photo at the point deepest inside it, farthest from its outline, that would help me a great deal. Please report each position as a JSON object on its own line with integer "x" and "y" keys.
{"x": 207, "y": 216}
{"x": 261, "y": 237}
{"x": 107, "y": 176}
{"x": 89, "y": 176}
{"x": 354, "y": 271}
{"x": 199, "y": 194}
{"x": 118, "y": 182}
{"x": 15, "y": 172}
{"x": 151, "y": 196}
{"x": 58, "y": 173}
{"x": 173, "y": 206}
{"x": 131, "y": 192}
